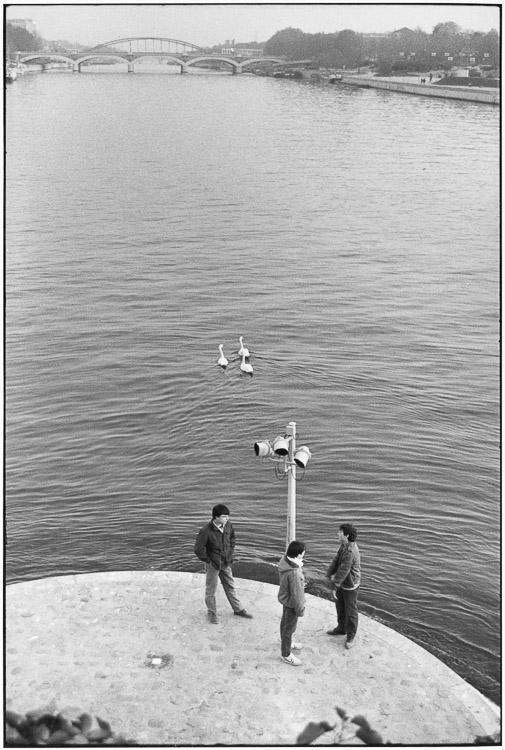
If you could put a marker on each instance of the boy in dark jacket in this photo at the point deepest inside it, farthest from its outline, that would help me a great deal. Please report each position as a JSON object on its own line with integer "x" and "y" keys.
{"x": 292, "y": 597}
{"x": 345, "y": 573}
{"x": 214, "y": 545}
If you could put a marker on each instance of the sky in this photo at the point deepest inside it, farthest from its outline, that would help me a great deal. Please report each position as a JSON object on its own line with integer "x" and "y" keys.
{"x": 206, "y": 24}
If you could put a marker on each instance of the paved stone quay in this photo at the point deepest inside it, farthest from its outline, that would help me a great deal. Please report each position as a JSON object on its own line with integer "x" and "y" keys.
{"x": 136, "y": 649}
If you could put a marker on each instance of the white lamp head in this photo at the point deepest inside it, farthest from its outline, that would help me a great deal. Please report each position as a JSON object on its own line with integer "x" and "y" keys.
{"x": 281, "y": 446}
{"x": 263, "y": 449}
{"x": 302, "y": 456}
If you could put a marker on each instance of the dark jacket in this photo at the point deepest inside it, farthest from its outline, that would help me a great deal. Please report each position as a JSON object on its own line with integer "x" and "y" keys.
{"x": 346, "y": 567}
{"x": 291, "y": 586}
{"x": 214, "y": 546}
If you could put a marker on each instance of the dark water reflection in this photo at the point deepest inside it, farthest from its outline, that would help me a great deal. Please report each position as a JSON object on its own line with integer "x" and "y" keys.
{"x": 351, "y": 237}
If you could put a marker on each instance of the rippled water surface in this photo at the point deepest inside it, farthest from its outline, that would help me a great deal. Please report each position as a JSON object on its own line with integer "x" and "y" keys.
{"x": 352, "y": 237}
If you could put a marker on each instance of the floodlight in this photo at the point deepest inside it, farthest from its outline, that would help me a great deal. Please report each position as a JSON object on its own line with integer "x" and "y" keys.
{"x": 302, "y": 456}
{"x": 281, "y": 446}
{"x": 263, "y": 449}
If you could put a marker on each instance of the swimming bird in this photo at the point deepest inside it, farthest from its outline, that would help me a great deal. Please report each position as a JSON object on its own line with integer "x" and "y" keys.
{"x": 222, "y": 361}
{"x": 243, "y": 349}
{"x": 246, "y": 366}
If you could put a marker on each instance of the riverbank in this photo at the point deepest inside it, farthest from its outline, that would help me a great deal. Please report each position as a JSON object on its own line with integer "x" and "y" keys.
{"x": 136, "y": 649}
{"x": 400, "y": 85}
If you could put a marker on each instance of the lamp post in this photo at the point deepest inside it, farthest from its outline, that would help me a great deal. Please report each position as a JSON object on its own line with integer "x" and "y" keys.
{"x": 282, "y": 450}
{"x": 291, "y": 511}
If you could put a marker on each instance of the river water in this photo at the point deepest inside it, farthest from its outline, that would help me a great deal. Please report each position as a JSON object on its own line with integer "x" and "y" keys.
{"x": 352, "y": 237}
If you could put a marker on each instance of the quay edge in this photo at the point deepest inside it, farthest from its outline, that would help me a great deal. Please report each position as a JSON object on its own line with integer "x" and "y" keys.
{"x": 88, "y": 641}
{"x": 425, "y": 89}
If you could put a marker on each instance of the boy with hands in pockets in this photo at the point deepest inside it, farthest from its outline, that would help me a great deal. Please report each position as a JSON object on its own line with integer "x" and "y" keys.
{"x": 292, "y": 597}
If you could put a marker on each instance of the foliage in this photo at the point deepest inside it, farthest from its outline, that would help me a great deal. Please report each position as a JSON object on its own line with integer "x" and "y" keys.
{"x": 385, "y": 69}
{"x": 289, "y": 42}
{"x": 418, "y": 49}
{"x": 494, "y": 739}
{"x": 404, "y": 66}
{"x": 64, "y": 728}
{"x": 20, "y": 40}
{"x": 347, "y": 729}
{"x": 69, "y": 727}
{"x": 346, "y": 732}
{"x": 339, "y": 49}
{"x": 446, "y": 29}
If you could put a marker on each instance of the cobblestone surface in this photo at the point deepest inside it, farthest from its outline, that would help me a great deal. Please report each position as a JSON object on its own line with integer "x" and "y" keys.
{"x": 135, "y": 648}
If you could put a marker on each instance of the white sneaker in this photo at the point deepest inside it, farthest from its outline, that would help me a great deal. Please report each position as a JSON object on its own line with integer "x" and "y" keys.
{"x": 296, "y": 646}
{"x": 291, "y": 660}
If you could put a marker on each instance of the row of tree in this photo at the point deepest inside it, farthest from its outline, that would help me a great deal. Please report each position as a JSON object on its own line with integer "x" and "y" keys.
{"x": 18, "y": 39}
{"x": 445, "y": 47}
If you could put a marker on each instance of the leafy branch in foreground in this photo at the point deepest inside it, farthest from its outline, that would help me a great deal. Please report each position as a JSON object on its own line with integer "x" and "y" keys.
{"x": 347, "y": 729}
{"x": 487, "y": 739}
{"x": 64, "y": 728}
{"x": 69, "y": 727}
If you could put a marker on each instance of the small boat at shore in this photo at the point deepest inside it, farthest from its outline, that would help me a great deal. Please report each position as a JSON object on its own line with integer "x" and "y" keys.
{"x": 11, "y": 73}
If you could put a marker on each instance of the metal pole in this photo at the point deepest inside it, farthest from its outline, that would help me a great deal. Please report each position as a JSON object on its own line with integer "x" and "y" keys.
{"x": 291, "y": 517}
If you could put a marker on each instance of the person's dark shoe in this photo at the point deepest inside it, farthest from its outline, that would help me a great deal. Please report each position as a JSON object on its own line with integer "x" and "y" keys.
{"x": 350, "y": 643}
{"x": 336, "y": 631}
{"x": 243, "y": 613}
{"x": 212, "y": 617}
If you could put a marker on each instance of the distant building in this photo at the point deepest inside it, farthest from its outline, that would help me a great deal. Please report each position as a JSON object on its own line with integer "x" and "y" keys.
{"x": 24, "y": 23}
{"x": 229, "y": 47}
{"x": 249, "y": 52}
{"x": 403, "y": 31}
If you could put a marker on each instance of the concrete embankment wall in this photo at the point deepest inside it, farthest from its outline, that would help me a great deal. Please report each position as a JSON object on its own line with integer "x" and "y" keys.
{"x": 422, "y": 89}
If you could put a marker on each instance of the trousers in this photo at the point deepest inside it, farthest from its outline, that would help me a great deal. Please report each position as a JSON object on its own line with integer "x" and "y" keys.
{"x": 347, "y": 611}
{"x": 225, "y": 575}
{"x": 289, "y": 622}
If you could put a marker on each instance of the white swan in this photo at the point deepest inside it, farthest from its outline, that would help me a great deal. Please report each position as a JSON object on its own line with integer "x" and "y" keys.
{"x": 243, "y": 349}
{"x": 222, "y": 361}
{"x": 245, "y": 366}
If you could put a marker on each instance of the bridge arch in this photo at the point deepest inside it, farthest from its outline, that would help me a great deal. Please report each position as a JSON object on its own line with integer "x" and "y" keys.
{"x": 258, "y": 60}
{"x": 215, "y": 58}
{"x": 139, "y": 44}
{"x": 45, "y": 56}
{"x": 85, "y": 57}
{"x": 158, "y": 56}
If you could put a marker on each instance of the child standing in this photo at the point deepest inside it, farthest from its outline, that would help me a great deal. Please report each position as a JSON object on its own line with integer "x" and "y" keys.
{"x": 292, "y": 597}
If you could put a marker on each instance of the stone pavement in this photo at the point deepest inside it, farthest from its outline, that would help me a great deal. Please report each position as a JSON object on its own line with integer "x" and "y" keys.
{"x": 135, "y": 648}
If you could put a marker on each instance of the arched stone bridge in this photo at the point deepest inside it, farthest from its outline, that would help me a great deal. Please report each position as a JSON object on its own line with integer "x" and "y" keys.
{"x": 134, "y": 49}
